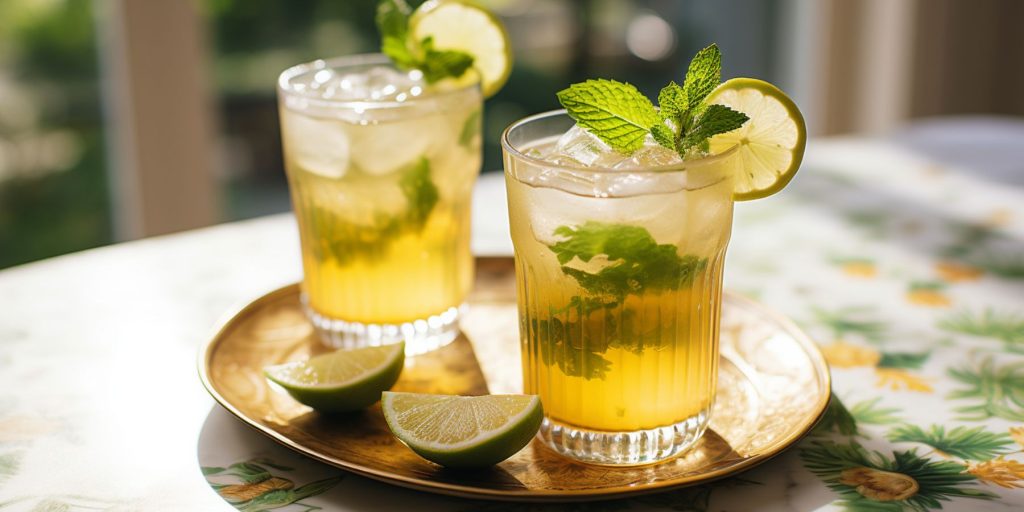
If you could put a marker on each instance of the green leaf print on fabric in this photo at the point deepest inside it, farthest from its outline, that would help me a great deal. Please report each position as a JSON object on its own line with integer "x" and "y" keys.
{"x": 63, "y": 503}
{"x": 911, "y": 360}
{"x": 967, "y": 238}
{"x": 869, "y": 413}
{"x": 847, "y": 421}
{"x": 853, "y": 320}
{"x": 995, "y": 391}
{"x": 979, "y": 246}
{"x": 961, "y": 442}
{"x": 261, "y": 490}
{"x": 873, "y": 481}
{"x": 837, "y": 418}
{"x": 1005, "y": 327}
{"x": 875, "y": 224}
{"x": 9, "y": 463}
{"x": 1007, "y": 266}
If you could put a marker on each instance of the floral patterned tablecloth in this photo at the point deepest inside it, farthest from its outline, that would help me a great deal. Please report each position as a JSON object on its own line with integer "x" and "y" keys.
{"x": 907, "y": 270}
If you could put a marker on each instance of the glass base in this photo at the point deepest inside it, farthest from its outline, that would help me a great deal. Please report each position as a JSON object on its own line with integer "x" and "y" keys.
{"x": 421, "y": 336}
{"x": 632, "y": 448}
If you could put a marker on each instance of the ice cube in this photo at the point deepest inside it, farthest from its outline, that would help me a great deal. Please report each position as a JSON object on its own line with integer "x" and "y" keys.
{"x": 319, "y": 146}
{"x": 379, "y": 83}
{"x": 647, "y": 157}
{"x": 387, "y": 83}
{"x": 349, "y": 86}
{"x": 580, "y": 147}
{"x": 388, "y": 146}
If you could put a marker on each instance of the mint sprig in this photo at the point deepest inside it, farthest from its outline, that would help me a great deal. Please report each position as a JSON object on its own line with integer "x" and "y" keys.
{"x": 407, "y": 53}
{"x": 575, "y": 336}
{"x": 618, "y": 114}
{"x": 614, "y": 111}
{"x": 637, "y": 263}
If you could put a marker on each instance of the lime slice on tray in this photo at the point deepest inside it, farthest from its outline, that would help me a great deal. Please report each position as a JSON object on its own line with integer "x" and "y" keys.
{"x": 771, "y": 143}
{"x": 463, "y": 431}
{"x": 456, "y": 25}
{"x": 341, "y": 381}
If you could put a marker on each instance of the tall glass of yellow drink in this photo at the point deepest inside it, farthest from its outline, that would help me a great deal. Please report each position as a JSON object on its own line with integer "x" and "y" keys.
{"x": 381, "y": 167}
{"x": 619, "y": 265}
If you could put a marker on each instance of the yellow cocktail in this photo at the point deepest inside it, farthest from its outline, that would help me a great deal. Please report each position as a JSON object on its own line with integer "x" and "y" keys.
{"x": 619, "y": 266}
{"x": 381, "y": 168}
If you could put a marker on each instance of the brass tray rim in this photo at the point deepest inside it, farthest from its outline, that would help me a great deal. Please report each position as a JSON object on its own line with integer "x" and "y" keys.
{"x": 209, "y": 346}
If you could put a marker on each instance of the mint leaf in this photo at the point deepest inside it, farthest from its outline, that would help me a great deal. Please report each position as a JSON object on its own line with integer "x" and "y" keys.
{"x": 615, "y": 112}
{"x": 715, "y": 119}
{"x": 573, "y": 337}
{"x": 663, "y": 135}
{"x": 440, "y": 64}
{"x": 555, "y": 335}
{"x": 672, "y": 101}
{"x": 393, "y": 18}
{"x": 622, "y": 117}
{"x": 470, "y": 129}
{"x": 636, "y": 261}
{"x": 703, "y": 75}
{"x": 393, "y": 24}
{"x": 420, "y": 193}
{"x": 399, "y": 53}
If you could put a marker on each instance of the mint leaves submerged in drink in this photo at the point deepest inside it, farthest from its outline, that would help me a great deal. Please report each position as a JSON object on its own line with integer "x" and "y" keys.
{"x": 408, "y": 53}
{"x": 636, "y": 262}
{"x": 346, "y": 241}
{"x": 622, "y": 117}
{"x": 633, "y": 263}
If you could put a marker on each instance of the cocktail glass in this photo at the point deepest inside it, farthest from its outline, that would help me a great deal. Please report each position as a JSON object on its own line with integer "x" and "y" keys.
{"x": 381, "y": 167}
{"x": 619, "y": 270}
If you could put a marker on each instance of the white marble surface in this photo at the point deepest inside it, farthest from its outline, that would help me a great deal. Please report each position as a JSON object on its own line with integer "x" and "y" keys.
{"x": 101, "y": 407}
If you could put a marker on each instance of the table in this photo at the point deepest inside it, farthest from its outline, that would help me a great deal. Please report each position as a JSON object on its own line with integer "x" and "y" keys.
{"x": 903, "y": 262}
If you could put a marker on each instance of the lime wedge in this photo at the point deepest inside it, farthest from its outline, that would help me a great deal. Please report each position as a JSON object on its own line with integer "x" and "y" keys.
{"x": 341, "y": 381}
{"x": 457, "y": 25}
{"x": 771, "y": 143}
{"x": 463, "y": 431}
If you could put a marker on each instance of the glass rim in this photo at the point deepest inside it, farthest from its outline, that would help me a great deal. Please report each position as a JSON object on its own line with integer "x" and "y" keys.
{"x": 683, "y": 166}
{"x": 285, "y": 88}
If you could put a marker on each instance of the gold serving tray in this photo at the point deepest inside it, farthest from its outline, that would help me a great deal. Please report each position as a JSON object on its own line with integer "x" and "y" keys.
{"x": 773, "y": 387}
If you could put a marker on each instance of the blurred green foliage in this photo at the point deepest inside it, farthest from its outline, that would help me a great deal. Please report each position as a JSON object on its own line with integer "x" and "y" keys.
{"x": 48, "y": 84}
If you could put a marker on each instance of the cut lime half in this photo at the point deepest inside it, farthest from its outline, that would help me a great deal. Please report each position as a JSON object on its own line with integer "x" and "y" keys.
{"x": 463, "y": 26}
{"x": 771, "y": 144}
{"x": 343, "y": 380}
{"x": 463, "y": 431}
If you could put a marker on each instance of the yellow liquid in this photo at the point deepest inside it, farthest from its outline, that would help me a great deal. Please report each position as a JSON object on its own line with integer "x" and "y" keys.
{"x": 639, "y": 361}
{"x": 388, "y": 246}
